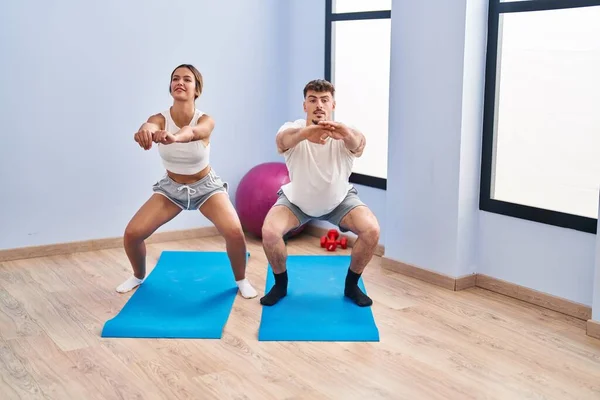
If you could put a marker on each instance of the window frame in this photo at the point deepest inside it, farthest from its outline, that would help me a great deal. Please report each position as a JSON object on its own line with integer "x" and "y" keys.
{"x": 486, "y": 202}
{"x": 330, "y": 19}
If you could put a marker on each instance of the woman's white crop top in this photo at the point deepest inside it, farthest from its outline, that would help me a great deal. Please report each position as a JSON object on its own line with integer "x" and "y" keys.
{"x": 183, "y": 158}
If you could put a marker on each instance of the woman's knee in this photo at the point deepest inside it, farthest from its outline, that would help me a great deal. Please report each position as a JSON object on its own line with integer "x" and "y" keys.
{"x": 234, "y": 233}
{"x": 135, "y": 233}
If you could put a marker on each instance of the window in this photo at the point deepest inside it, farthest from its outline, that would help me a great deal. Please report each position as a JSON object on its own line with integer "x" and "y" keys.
{"x": 357, "y": 62}
{"x": 541, "y": 134}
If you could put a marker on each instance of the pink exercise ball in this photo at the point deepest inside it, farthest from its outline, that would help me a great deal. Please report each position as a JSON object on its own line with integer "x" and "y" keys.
{"x": 257, "y": 193}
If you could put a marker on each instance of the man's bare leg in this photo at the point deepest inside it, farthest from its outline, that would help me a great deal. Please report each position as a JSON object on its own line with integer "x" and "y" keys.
{"x": 363, "y": 223}
{"x": 279, "y": 221}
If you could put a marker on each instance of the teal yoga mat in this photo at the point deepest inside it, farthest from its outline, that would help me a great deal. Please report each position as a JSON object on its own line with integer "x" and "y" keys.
{"x": 188, "y": 294}
{"x": 315, "y": 308}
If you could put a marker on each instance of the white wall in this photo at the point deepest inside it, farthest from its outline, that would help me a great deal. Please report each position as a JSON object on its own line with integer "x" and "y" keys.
{"x": 306, "y": 46}
{"x": 74, "y": 93}
{"x": 541, "y": 257}
{"x": 470, "y": 144}
{"x": 425, "y": 203}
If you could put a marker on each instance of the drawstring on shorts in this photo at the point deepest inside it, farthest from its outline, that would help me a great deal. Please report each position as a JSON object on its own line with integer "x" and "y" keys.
{"x": 190, "y": 192}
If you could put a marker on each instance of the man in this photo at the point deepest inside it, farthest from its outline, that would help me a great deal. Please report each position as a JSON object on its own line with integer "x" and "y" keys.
{"x": 319, "y": 154}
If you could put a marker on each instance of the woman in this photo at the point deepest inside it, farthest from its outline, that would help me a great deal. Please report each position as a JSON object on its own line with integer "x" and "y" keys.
{"x": 182, "y": 134}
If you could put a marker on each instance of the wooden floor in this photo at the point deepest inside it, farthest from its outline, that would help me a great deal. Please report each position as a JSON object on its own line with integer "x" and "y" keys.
{"x": 435, "y": 344}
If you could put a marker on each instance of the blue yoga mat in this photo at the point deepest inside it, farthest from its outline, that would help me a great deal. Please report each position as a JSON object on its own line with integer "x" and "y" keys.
{"x": 188, "y": 294}
{"x": 315, "y": 308}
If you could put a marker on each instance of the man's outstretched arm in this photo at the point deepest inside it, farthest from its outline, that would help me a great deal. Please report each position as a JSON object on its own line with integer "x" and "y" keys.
{"x": 353, "y": 139}
{"x": 358, "y": 151}
{"x": 288, "y": 138}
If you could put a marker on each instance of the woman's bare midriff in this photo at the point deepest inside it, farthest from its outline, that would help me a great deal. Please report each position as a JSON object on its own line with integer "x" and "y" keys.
{"x": 187, "y": 179}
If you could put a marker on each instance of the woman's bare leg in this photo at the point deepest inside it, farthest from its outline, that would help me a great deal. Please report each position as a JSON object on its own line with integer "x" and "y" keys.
{"x": 219, "y": 210}
{"x": 157, "y": 211}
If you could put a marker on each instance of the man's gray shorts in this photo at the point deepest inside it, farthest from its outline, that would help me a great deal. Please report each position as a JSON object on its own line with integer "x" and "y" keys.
{"x": 350, "y": 202}
{"x": 193, "y": 195}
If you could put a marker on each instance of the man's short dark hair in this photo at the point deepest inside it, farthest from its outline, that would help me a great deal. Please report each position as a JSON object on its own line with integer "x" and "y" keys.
{"x": 319, "y": 85}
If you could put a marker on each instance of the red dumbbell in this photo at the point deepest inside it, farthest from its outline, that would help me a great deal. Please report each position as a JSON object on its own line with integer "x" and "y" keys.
{"x": 331, "y": 242}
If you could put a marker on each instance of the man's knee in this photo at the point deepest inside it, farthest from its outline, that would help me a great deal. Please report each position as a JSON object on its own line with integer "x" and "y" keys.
{"x": 370, "y": 231}
{"x": 279, "y": 221}
{"x": 271, "y": 236}
{"x": 271, "y": 231}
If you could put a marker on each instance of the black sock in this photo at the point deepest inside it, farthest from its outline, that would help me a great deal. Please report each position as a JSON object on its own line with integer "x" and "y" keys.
{"x": 353, "y": 291}
{"x": 278, "y": 291}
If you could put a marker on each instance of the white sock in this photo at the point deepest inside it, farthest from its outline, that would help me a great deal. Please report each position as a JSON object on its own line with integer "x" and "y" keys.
{"x": 246, "y": 289}
{"x": 131, "y": 283}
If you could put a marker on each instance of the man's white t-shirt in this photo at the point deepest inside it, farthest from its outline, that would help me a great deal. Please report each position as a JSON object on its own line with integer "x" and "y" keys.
{"x": 319, "y": 173}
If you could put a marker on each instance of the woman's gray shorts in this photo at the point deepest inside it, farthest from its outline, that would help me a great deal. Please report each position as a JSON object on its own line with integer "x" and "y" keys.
{"x": 193, "y": 195}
